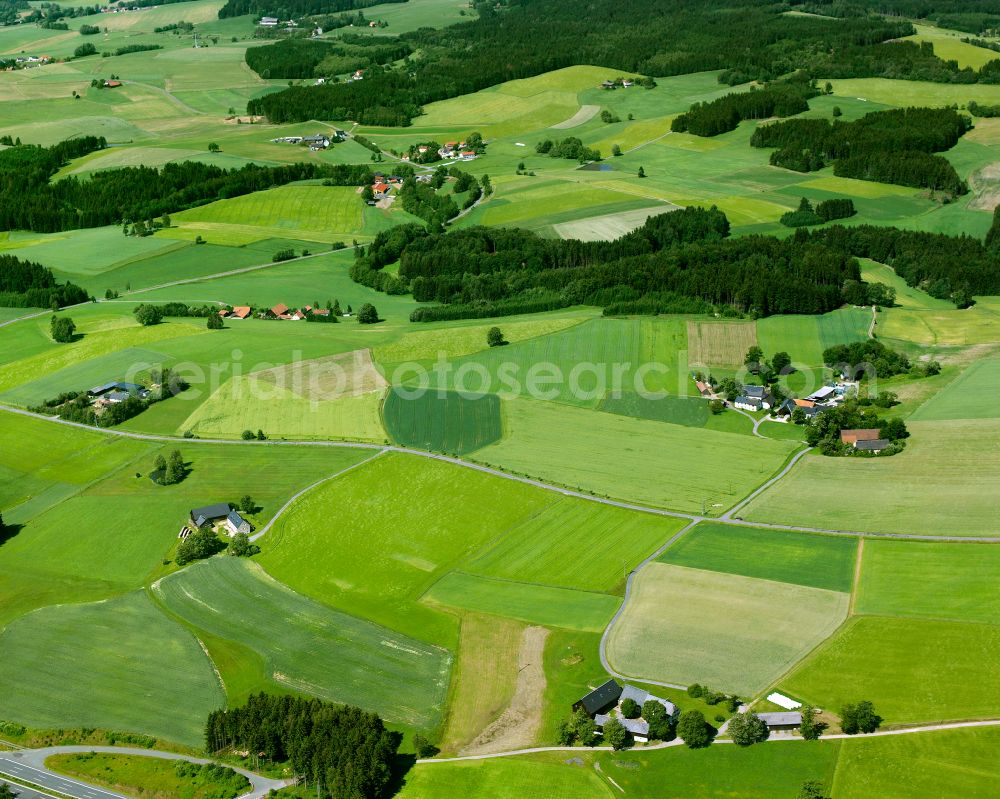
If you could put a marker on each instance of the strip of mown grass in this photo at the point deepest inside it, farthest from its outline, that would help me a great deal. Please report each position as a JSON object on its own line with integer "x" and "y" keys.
{"x": 528, "y": 602}
{"x": 309, "y": 648}
{"x": 970, "y": 396}
{"x": 798, "y": 558}
{"x": 118, "y": 664}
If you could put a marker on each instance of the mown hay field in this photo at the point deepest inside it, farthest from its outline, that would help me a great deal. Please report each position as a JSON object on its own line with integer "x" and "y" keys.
{"x": 731, "y": 632}
{"x": 720, "y": 343}
{"x": 118, "y": 665}
{"x": 969, "y": 396}
{"x": 310, "y": 648}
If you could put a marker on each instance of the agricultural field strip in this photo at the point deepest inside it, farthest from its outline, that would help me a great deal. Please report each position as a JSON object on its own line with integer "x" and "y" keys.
{"x": 727, "y": 518}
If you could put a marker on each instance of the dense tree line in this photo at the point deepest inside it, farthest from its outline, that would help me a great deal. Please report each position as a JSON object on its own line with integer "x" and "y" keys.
{"x": 684, "y": 256}
{"x": 947, "y": 267}
{"x": 725, "y": 113}
{"x": 10, "y": 9}
{"x": 346, "y": 752}
{"x": 825, "y": 211}
{"x": 519, "y": 40}
{"x": 974, "y": 16}
{"x": 894, "y": 146}
{"x": 308, "y": 58}
{"x": 29, "y": 201}
{"x": 294, "y": 9}
{"x": 571, "y": 147}
{"x": 25, "y": 284}
{"x": 978, "y": 110}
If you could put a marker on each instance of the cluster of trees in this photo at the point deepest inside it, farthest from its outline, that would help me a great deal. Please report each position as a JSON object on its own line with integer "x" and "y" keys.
{"x": 170, "y": 472}
{"x": 677, "y": 261}
{"x": 214, "y": 781}
{"x": 978, "y": 110}
{"x": 860, "y": 717}
{"x": 947, "y": 267}
{"x": 26, "y": 284}
{"x": 62, "y": 329}
{"x": 302, "y": 59}
{"x": 724, "y": 114}
{"x": 869, "y": 358}
{"x": 199, "y": 545}
{"x": 571, "y": 147}
{"x": 342, "y": 750}
{"x": 293, "y": 9}
{"x": 823, "y": 431}
{"x": 515, "y": 40}
{"x": 11, "y": 9}
{"x": 895, "y": 146}
{"x": 29, "y": 201}
{"x": 89, "y": 30}
{"x": 824, "y": 211}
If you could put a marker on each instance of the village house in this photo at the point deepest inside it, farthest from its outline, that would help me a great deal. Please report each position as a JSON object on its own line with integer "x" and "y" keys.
{"x": 240, "y": 312}
{"x": 220, "y": 512}
{"x": 112, "y": 84}
{"x": 875, "y": 445}
{"x": 760, "y": 393}
{"x": 115, "y": 392}
{"x": 745, "y": 403}
{"x": 468, "y": 155}
{"x": 703, "y": 388}
{"x": 852, "y": 437}
{"x": 789, "y": 406}
{"x": 277, "y": 312}
{"x": 268, "y": 22}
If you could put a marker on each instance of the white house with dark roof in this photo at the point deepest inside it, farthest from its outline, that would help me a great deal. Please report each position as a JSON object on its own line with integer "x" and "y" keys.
{"x": 221, "y": 511}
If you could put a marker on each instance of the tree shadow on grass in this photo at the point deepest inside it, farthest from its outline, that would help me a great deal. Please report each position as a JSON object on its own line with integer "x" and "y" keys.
{"x": 9, "y": 531}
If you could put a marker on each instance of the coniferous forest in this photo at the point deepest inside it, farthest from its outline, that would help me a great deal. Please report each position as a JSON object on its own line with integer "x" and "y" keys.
{"x": 342, "y": 751}
{"x": 25, "y": 284}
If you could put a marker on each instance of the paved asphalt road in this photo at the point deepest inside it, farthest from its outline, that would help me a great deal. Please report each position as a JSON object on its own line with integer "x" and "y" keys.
{"x": 11, "y": 766}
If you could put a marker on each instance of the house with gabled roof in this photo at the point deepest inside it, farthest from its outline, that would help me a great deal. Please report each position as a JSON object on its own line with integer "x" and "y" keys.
{"x": 856, "y": 436}
{"x": 782, "y": 720}
{"x": 601, "y": 698}
{"x": 240, "y": 312}
{"x": 277, "y": 311}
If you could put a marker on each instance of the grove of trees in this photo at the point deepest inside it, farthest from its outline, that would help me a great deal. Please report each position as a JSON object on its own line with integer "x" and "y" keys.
{"x": 341, "y": 751}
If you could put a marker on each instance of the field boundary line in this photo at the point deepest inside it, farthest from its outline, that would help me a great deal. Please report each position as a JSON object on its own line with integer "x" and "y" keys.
{"x": 856, "y": 583}
{"x": 795, "y": 458}
{"x": 531, "y": 481}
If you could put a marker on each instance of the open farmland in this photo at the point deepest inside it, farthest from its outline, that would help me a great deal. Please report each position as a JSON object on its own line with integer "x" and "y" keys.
{"x": 720, "y": 343}
{"x": 740, "y": 635}
{"x": 915, "y": 492}
{"x": 956, "y": 582}
{"x": 683, "y": 468}
{"x": 801, "y": 559}
{"x": 442, "y": 421}
{"x": 375, "y": 558}
{"x": 914, "y": 670}
{"x": 527, "y": 602}
{"x": 599, "y": 536}
{"x": 966, "y": 397}
{"x": 307, "y": 647}
{"x": 125, "y": 661}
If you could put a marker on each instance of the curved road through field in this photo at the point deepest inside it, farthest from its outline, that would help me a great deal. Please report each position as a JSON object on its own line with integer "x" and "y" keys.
{"x": 28, "y": 765}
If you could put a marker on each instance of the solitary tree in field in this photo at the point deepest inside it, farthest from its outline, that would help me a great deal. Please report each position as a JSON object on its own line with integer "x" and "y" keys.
{"x": 780, "y": 361}
{"x": 62, "y": 328}
{"x": 616, "y": 150}
{"x": 176, "y": 470}
{"x": 494, "y": 337}
{"x": 146, "y": 314}
{"x": 247, "y": 505}
{"x": 812, "y": 789}
{"x": 694, "y": 730}
{"x": 837, "y": 112}
{"x": 747, "y": 728}
{"x": 367, "y": 315}
{"x": 215, "y": 322}
{"x": 248, "y": 435}
{"x": 616, "y": 734}
{"x": 260, "y": 435}
{"x": 642, "y": 172}
{"x": 213, "y": 147}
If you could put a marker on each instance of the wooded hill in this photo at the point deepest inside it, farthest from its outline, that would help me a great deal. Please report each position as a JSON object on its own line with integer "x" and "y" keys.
{"x": 519, "y": 40}
{"x": 25, "y": 284}
{"x": 29, "y": 200}
{"x": 974, "y": 16}
{"x": 294, "y": 9}
{"x": 894, "y": 146}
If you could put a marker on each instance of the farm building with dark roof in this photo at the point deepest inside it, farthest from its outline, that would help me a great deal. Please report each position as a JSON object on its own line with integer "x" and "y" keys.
{"x": 600, "y": 698}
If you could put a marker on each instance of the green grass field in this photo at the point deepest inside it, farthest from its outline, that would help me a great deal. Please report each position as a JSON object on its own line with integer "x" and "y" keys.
{"x": 946, "y": 465}
{"x": 967, "y": 397}
{"x": 141, "y": 776}
{"x": 308, "y": 648}
{"x": 797, "y": 558}
{"x": 527, "y": 602}
{"x": 731, "y": 632}
{"x": 683, "y": 468}
{"x": 913, "y": 670}
{"x": 125, "y": 663}
{"x": 347, "y": 546}
{"x": 929, "y": 580}
{"x": 575, "y": 544}
{"x": 442, "y": 421}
